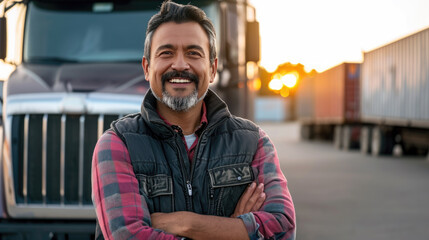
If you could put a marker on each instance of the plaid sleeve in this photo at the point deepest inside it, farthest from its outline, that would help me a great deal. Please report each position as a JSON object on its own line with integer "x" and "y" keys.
{"x": 276, "y": 218}
{"x": 121, "y": 211}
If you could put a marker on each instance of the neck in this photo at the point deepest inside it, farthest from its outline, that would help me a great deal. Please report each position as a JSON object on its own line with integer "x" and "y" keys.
{"x": 188, "y": 121}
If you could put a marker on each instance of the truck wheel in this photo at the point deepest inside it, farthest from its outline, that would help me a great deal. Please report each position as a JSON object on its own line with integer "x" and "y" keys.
{"x": 427, "y": 152}
{"x": 408, "y": 149}
{"x": 346, "y": 138}
{"x": 337, "y": 136}
{"x": 382, "y": 142}
{"x": 306, "y": 132}
{"x": 365, "y": 140}
{"x": 376, "y": 141}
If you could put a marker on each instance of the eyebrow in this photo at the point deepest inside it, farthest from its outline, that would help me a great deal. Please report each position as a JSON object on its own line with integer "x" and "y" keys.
{"x": 165, "y": 46}
{"x": 197, "y": 47}
{"x": 170, "y": 46}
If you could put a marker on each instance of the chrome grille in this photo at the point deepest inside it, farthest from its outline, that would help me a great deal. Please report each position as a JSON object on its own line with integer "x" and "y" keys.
{"x": 51, "y": 155}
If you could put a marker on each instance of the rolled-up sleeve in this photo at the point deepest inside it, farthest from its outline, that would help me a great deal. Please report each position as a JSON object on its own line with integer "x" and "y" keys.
{"x": 121, "y": 211}
{"x": 276, "y": 218}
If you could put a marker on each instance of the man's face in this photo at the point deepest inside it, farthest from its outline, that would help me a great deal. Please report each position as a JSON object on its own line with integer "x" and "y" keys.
{"x": 179, "y": 67}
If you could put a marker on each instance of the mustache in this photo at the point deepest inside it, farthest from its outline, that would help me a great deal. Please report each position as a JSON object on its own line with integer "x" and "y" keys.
{"x": 179, "y": 74}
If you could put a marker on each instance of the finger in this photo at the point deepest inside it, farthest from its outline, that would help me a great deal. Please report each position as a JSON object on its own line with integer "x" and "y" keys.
{"x": 244, "y": 199}
{"x": 259, "y": 202}
{"x": 254, "y": 198}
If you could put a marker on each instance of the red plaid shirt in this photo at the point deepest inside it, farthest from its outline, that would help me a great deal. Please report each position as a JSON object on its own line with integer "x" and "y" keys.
{"x": 116, "y": 195}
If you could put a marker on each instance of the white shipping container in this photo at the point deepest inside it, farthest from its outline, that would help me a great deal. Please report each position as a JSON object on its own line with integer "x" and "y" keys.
{"x": 305, "y": 100}
{"x": 272, "y": 109}
{"x": 395, "y": 82}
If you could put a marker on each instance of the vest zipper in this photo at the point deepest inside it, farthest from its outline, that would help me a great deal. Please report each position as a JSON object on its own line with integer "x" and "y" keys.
{"x": 197, "y": 148}
{"x": 189, "y": 186}
{"x": 188, "y": 179}
{"x": 188, "y": 196}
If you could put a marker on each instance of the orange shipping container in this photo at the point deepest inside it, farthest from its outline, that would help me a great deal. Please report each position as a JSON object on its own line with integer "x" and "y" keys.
{"x": 336, "y": 94}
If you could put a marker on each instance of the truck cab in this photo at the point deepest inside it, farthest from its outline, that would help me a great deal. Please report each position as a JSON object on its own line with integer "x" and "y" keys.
{"x": 69, "y": 69}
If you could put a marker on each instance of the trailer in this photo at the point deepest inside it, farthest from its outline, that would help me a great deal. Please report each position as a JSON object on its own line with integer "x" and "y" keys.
{"x": 328, "y": 105}
{"x": 395, "y": 96}
{"x": 75, "y": 66}
{"x": 380, "y": 106}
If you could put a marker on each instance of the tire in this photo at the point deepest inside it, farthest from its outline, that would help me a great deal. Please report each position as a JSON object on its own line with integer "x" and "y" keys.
{"x": 306, "y": 132}
{"x": 338, "y": 136}
{"x": 427, "y": 156}
{"x": 382, "y": 142}
{"x": 365, "y": 140}
{"x": 376, "y": 141}
{"x": 346, "y": 138}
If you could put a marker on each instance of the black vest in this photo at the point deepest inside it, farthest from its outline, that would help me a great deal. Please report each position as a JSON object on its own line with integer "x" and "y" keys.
{"x": 220, "y": 170}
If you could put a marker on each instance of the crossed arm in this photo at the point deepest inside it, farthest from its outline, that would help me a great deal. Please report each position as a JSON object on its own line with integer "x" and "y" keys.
{"x": 123, "y": 214}
{"x": 197, "y": 226}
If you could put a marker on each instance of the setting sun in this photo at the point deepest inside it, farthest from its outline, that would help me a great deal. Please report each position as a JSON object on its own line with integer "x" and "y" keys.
{"x": 322, "y": 34}
{"x": 275, "y": 84}
{"x": 290, "y": 79}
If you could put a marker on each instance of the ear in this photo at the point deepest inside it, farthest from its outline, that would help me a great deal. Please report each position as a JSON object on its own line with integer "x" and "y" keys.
{"x": 213, "y": 70}
{"x": 145, "y": 65}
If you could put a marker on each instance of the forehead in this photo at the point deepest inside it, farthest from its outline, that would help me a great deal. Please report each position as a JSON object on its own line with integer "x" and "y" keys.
{"x": 180, "y": 34}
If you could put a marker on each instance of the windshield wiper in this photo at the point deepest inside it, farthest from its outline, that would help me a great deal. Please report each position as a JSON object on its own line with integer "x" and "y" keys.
{"x": 50, "y": 60}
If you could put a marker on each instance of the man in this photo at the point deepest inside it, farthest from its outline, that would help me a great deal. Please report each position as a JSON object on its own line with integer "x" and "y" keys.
{"x": 184, "y": 166}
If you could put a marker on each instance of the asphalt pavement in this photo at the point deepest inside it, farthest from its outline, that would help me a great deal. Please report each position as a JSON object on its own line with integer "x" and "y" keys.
{"x": 344, "y": 195}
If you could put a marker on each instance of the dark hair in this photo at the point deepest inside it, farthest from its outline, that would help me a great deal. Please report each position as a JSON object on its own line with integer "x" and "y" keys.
{"x": 178, "y": 13}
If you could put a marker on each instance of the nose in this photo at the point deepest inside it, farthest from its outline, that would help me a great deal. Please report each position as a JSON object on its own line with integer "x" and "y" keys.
{"x": 180, "y": 63}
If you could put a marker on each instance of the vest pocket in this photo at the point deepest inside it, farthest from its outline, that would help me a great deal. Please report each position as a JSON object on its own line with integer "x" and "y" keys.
{"x": 227, "y": 184}
{"x": 158, "y": 192}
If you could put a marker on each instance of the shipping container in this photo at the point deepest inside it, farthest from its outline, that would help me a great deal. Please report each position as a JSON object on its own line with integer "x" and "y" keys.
{"x": 395, "y": 82}
{"x": 337, "y": 94}
{"x": 272, "y": 109}
{"x": 381, "y": 105}
{"x": 305, "y": 106}
{"x": 328, "y": 104}
{"x": 395, "y": 96}
{"x": 305, "y": 100}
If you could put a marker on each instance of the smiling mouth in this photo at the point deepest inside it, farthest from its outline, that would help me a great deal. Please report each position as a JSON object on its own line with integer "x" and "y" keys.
{"x": 179, "y": 80}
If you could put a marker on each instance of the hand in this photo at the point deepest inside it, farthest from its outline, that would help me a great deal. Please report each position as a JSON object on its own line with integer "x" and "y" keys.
{"x": 251, "y": 200}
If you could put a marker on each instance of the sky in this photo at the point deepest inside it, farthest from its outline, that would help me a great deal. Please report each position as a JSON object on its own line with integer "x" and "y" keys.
{"x": 321, "y": 34}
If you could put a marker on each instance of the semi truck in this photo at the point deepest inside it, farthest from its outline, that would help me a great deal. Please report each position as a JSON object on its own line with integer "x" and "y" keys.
{"x": 69, "y": 69}
{"x": 380, "y": 106}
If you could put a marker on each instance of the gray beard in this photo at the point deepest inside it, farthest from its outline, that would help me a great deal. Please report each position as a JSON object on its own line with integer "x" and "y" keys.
{"x": 180, "y": 104}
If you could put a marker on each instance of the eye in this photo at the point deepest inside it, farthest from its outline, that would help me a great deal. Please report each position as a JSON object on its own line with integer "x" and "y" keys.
{"x": 165, "y": 53}
{"x": 195, "y": 53}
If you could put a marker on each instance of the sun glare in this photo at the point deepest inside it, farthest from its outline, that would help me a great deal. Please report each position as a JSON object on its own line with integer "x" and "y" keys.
{"x": 275, "y": 84}
{"x": 284, "y": 92}
{"x": 289, "y": 80}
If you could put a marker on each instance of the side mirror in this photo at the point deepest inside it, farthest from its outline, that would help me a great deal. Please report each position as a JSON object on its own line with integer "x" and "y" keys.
{"x": 3, "y": 38}
{"x": 252, "y": 42}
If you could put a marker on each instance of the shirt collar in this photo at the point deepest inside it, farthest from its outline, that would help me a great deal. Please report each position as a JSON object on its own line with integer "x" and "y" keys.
{"x": 201, "y": 126}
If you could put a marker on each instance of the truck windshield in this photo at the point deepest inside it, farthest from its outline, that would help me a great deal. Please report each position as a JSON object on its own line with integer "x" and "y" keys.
{"x": 97, "y": 32}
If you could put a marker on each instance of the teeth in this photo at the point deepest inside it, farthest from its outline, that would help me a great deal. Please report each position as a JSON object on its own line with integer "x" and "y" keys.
{"x": 179, "y": 80}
